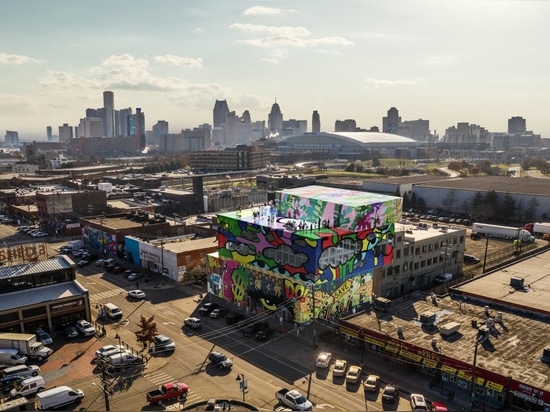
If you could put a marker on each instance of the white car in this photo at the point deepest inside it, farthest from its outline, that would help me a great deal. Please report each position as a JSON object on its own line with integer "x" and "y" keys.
{"x": 108, "y": 350}
{"x": 137, "y": 294}
{"x": 85, "y": 328}
{"x": 340, "y": 367}
{"x": 323, "y": 360}
{"x": 99, "y": 262}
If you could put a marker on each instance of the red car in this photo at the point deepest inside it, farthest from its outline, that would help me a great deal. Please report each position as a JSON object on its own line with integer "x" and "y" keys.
{"x": 118, "y": 269}
{"x": 438, "y": 407}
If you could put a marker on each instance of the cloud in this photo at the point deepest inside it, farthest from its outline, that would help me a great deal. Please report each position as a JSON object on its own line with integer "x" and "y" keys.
{"x": 260, "y": 10}
{"x": 17, "y": 59}
{"x": 172, "y": 60}
{"x": 66, "y": 81}
{"x": 275, "y": 30}
{"x": 285, "y": 36}
{"x": 275, "y": 57}
{"x": 387, "y": 82}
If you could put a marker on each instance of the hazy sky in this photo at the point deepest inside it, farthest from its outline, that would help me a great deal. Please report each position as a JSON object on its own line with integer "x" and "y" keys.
{"x": 448, "y": 61}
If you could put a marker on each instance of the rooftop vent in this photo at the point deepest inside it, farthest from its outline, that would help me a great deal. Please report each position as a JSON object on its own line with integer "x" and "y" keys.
{"x": 516, "y": 282}
{"x": 428, "y": 318}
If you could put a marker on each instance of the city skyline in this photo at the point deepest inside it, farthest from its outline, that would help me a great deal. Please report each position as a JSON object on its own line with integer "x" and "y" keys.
{"x": 480, "y": 62}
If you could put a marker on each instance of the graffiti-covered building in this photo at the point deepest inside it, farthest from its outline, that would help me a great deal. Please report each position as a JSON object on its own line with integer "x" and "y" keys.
{"x": 310, "y": 253}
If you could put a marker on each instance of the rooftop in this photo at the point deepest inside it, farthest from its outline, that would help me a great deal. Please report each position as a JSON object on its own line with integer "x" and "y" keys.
{"x": 49, "y": 265}
{"x": 515, "y": 349}
{"x": 43, "y": 294}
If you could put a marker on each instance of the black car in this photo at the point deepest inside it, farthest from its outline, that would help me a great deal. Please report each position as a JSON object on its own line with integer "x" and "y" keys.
{"x": 207, "y": 308}
{"x": 233, "y": 318}
{"x": 391, "y": 393}
{"x": 7, "y": 383}
{"x": 110, "y": 268}
{"x": 220, "y": 360}
{"x": 264, "y": 334}
{"x": 254, "y": 328}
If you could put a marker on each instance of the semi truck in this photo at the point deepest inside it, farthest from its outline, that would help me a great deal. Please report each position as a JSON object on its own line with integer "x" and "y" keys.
{"x": 538, "y": 228}
{"x": 503, "y": 232}
{"x": 26, "y": 344}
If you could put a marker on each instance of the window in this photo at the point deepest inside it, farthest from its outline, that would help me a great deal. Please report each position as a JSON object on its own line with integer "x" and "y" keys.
{"x": 416, "y": 265}
{"x": 423, "y": 264}
{"x": 429, "y": 261}
{"x": 406, "y": 251}
{"x": 399, "y": 238}
{"x": 398, "y": 254}
{"x": 405, "y": 266}
{"x": 424, "y": 249}
{"x": 417, "y": 251}
{"x": 430, "y": 247}
{"x": 396, "y": 270}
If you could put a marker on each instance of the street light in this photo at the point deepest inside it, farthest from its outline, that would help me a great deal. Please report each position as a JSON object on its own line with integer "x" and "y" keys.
{"x": 485, "y": 258}
{"x": 479, "y": 339}
{"x": 117, "y": 336}
{"x": 243, "y": 384}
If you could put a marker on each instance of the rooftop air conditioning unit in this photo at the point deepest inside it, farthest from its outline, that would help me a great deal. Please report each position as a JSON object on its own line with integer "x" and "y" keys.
{"x": 516, "y": 282}
{"x": 428, "y": 318}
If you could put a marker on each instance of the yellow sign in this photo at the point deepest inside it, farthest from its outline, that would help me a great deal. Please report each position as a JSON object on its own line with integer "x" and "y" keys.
{"x": 429, "y": 362}
{"x": 494, "y": 386}
{"x": 349, "y": 332}
{"x": 29, "y": 252}
{"x": 393, "y": 349}
{"x": 448, "y": 369}
{"x": 374, "y": 341}
{"x": 410, "y": 355}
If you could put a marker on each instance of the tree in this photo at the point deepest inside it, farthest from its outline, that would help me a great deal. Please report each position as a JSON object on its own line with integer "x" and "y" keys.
{"x": 147, "y": 330}
{"x": 508, "y": 208}
{"x": 490, "y": 204}
{"x": 476, "y": 204}
{"x": 531, "y": 210}
{"x": 449, "y": 201}
{"x": 375, "y": 162}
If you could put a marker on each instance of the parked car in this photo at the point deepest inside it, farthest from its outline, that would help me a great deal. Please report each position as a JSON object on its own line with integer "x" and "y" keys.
{"x": 137, "y": 294}
{"x": 207, "y": 308}
{"x": 340, "y": 367}
{"x": 85, "y": 328}
{"x": 110, "y": 268}
{"x": 83, "y": 262}
{"x": 99, "y": 262}
{"x": 418, "y": 403}
{"x": 8, "y": 383}
{"x": 44, "y": 337}
{"x": 218, "y": 313}
{"x": 118, "y": 269}
{"x": 371, "y": 383}
{"x": 354, "y": 374}
{"x": 108, "y": 350}
{"x": 234, "y": 317}
{"x": 71, "y": 332}
{"x": 437, "y": 407}
{"x": 135, "y": 276}
{"x": 323, "y": 360}
{"x": 264, "y": 334}
{"x": 391, "y": 393}
{"x": 220, "y": 360}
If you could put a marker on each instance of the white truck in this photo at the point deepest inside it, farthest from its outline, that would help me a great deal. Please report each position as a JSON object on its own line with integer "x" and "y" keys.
{"x": 26, "y": 344}
{"x": 75, "y": 244}
{"x": 293, "y": 400}
{"x": 503, "y": 232}
{"x": 541, "y": 228}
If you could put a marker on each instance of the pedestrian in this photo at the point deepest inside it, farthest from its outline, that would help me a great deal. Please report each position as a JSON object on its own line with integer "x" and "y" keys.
{"x": 137, "y": 285}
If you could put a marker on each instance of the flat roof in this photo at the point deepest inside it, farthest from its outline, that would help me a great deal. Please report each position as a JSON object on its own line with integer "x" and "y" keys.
{"x": 56, "y": 263}
{"x": 43, "y": 294}
{"x": 187, "y": 244}
{"x": 497, "y": 183}
{"x": 514, "y": 350}
{"x": 417, "y": 233}
{"x": 495, "y": 286}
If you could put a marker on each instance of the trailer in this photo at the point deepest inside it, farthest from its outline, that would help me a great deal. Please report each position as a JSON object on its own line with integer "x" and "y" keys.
{"x": 503, "y": 232}
{"x": 538, "y": 228}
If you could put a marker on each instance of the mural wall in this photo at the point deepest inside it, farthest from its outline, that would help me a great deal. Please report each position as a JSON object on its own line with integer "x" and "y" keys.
{"x": 311, "y": 253}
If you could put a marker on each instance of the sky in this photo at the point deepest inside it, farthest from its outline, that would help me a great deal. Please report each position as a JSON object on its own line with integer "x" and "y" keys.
{"x": 446, "y": 61}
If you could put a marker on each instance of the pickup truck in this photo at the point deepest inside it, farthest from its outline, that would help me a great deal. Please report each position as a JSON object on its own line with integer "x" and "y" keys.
{"x": 166, "y": 392}
{"x": 293, "y": 400}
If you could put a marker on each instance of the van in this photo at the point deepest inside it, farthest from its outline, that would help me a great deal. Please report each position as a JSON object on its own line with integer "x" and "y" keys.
{"x": 12, "y": 357}
{"x": 112, "y": 311}
{"x": 29, "y": 386}
{"x": 22, "y": 370}
{"x": 444, "y": 278}
{"x": 57, "y": 397}
{"x": 418, "y": 403}
{"x": 471, "y": 259}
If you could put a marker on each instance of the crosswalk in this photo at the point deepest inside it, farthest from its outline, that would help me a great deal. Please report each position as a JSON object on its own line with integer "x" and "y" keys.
{"x": 159, "y": 377}
{"x": 113, "y": 292}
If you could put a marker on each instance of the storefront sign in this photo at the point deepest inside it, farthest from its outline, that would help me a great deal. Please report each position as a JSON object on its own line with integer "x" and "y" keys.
{"x": 494, "y": 386}
{"x": 448, "y": 369}
{"x": 66, "y": 305}
{"x": 72, "y": 225}
{"x": 531, "y": 399}
{"x": 429, "y": 362}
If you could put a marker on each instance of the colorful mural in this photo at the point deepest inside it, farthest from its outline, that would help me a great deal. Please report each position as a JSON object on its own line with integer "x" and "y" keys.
{"x": 305, "y": 256}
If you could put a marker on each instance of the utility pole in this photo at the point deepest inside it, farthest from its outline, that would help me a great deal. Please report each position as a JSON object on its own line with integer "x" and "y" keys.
{"x": 313, "y": 314}
{"x": 101, "y": 217}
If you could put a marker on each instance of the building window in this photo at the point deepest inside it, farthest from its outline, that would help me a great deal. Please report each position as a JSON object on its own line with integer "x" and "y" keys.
{"x": 398, "y": 254}
{"x": 406, "y": 251}
{"x": 424, "y": 249}
{"x": 416, "y": 265}
{"x": 429, "y": 261}
{"x": 396, "y": 270}
{"x": 423, "y": 264}
{"x": 399, "y": 238}
{"x": 417, "y": 251}
{"x": 405, "y": 266}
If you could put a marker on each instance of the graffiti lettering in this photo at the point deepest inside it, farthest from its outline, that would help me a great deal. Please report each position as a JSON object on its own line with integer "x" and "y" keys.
{"x": 295, "y": 291}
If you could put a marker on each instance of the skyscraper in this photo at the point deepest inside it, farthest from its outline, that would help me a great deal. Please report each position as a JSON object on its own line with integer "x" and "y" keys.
{"x": 315, "y": 122}
{"x": 275, "y": 118}
{"x": 65, "y": 132}
{"x": 391, "y": 122}
{"x": 517, "y": 125}
{"x": 49, "y": 133}
{"x": 109, "y": 107}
